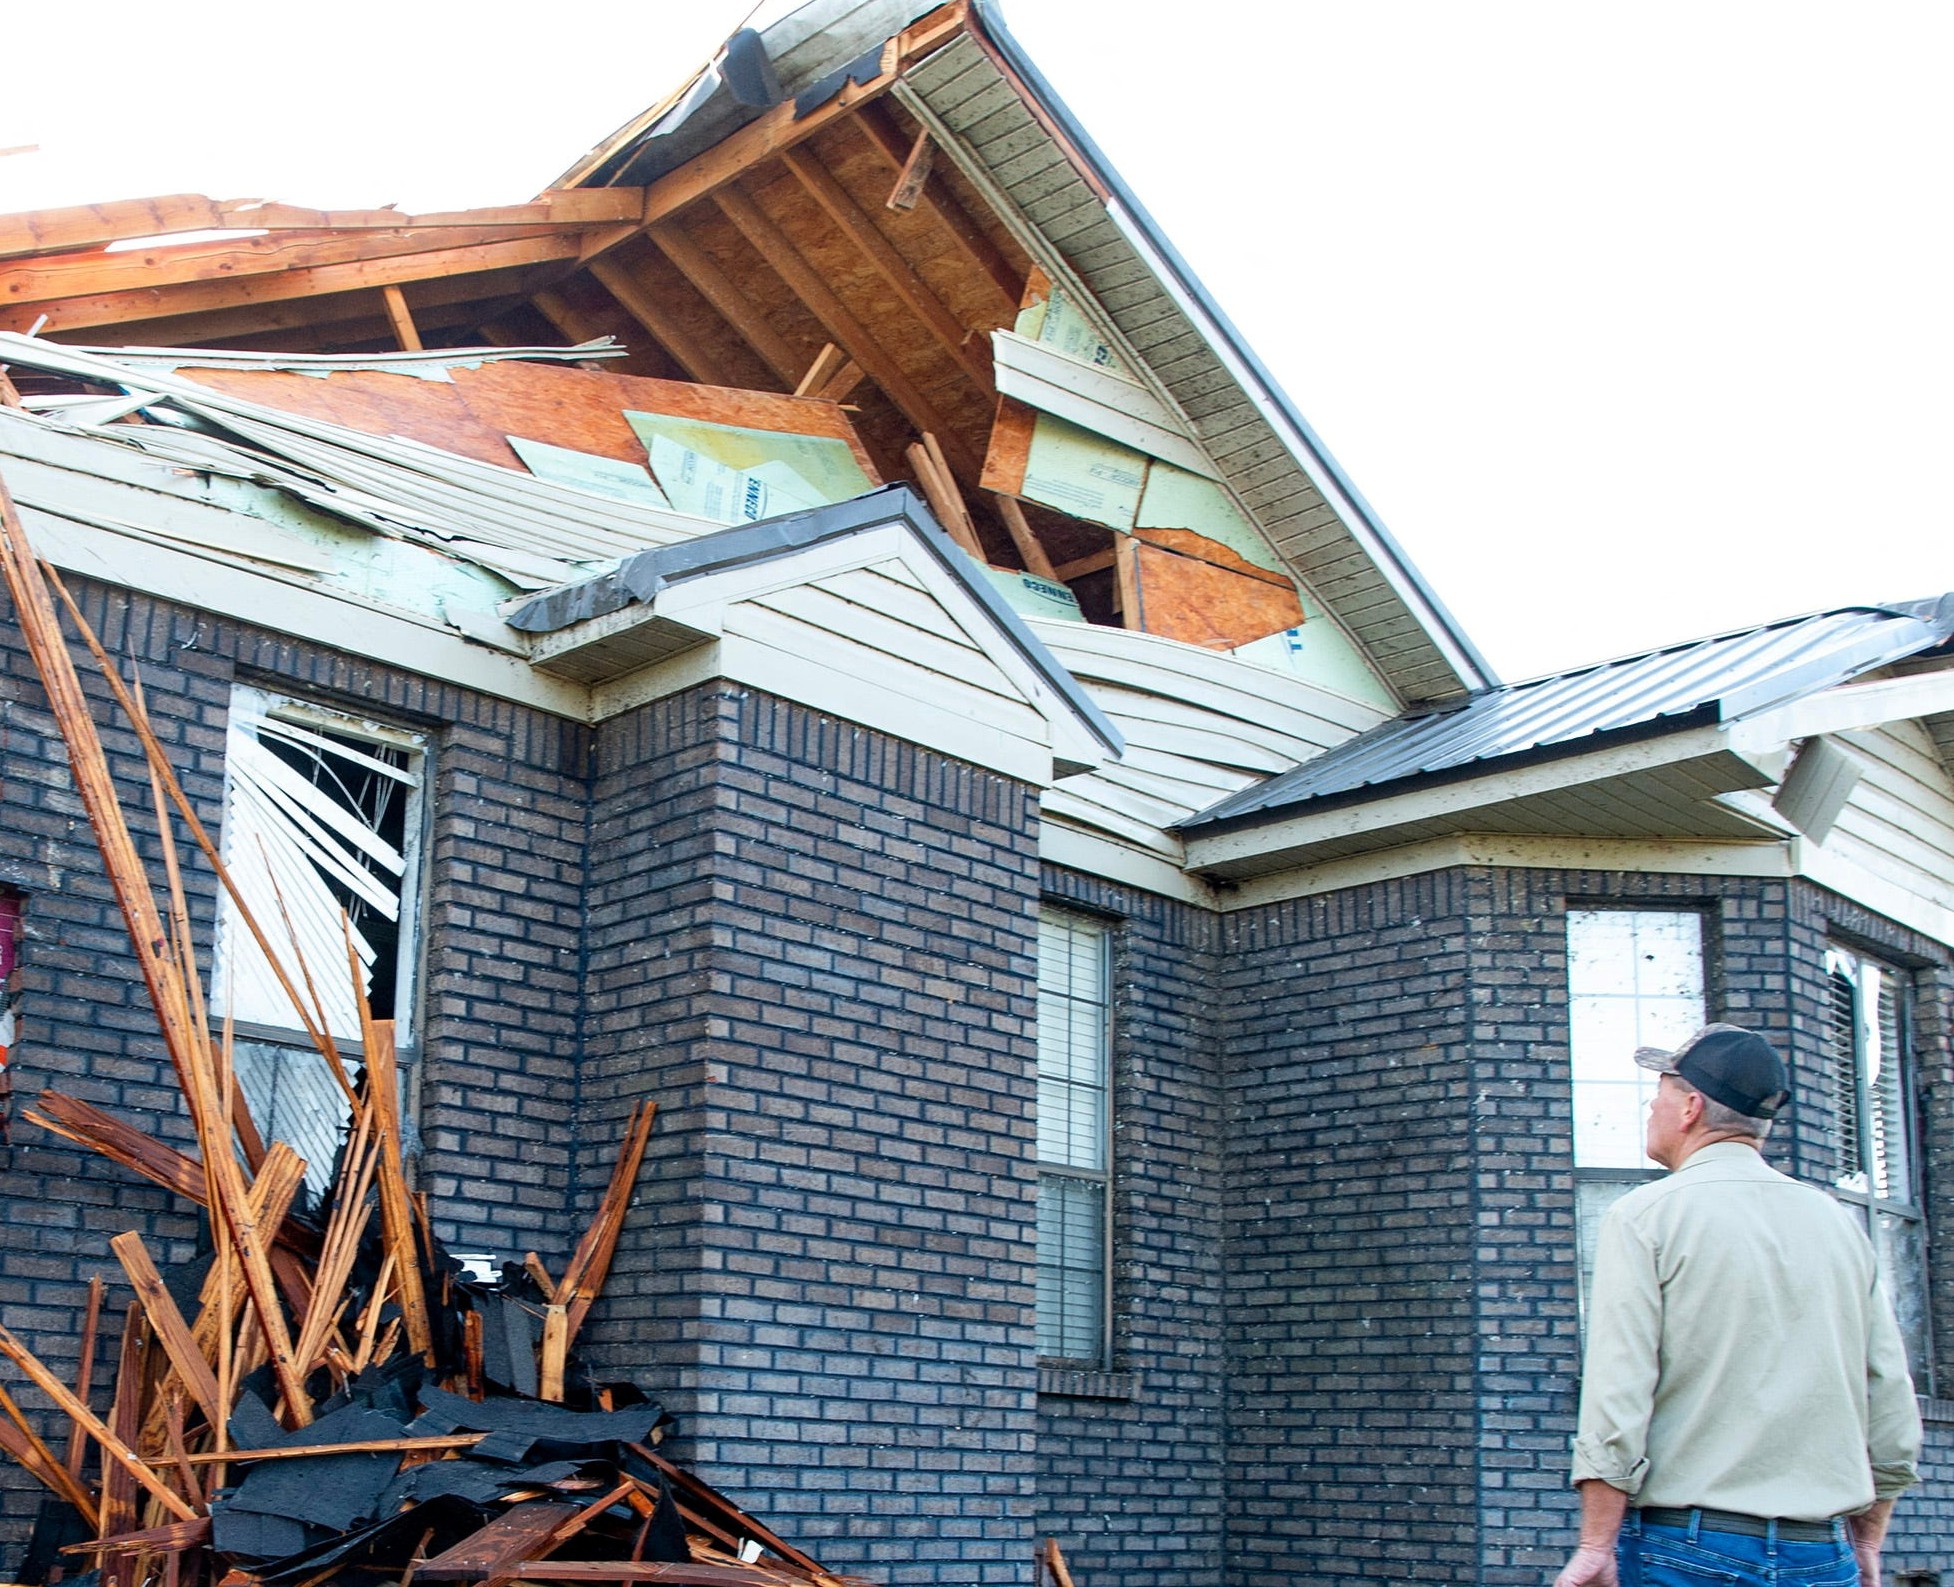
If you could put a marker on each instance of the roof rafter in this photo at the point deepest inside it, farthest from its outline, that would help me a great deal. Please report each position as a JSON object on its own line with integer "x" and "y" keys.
{"x": 723, "y": 293}
{"x": 859, "y": 227}
{"x": 843, "y": 328}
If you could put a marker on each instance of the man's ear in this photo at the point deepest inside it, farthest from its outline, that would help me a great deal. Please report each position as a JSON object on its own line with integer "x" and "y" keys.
{"x": 1693, "y": 1103}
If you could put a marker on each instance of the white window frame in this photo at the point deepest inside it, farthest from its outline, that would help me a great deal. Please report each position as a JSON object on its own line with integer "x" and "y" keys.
{"x": 1874, "y": 1128}
{"x": 292, "y": 1097}
{"x": 1075, "y": 1164}
{"x": 1646, "y": 1012}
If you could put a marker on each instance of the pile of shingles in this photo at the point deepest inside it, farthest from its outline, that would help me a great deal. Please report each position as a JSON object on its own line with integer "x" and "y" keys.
{"x": 323, "y": 1396}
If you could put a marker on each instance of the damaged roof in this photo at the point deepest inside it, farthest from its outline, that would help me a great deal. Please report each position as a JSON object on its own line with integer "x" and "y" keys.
{"x": 1720, "y": 679}
{"x": 848, "y": 204}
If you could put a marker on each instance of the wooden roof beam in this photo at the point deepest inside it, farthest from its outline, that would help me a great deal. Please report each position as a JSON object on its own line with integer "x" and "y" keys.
{"x": 759, "y": 141}
{"x": 141, "y": 269}
{"x": 971, "y": 239}
{"x": 200, "y": 297}
{"x": 842, "y": 327}
{"x": 859, "y": 228}
{"x": 342, "y": 318}
{"x": 95, "y": 225}
{"x": 401, "y": 320}
{"x": 734, "y": 307}
{"x": 692, "y": 355}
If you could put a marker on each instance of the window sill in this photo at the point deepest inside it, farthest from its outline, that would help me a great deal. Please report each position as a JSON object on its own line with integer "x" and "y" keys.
{"x": 1080, "y": 1383}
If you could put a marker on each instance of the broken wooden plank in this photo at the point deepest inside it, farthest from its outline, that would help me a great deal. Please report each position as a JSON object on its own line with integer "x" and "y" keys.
{"x": 828, "y": 363}
{"x": 171, "y": 1539}
{"x": 1036, "y": 560}
{"x": 396, "y": 1211}
{"x": 914, "y": 174}
{"x": 162, "y": 975}
{"x": 168, "y": 1325}
{"x": 505, "y": 1541}
{"x": 591, "y": 1262}
{"x": 85, "y": 1374}
{"x": 112, "y": 1446}
{"x": 371, "y": 1446}
{"x": 20, "y": 1440}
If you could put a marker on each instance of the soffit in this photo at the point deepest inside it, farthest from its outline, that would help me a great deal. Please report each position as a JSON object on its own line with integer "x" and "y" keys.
{"x": 996, "y": 129}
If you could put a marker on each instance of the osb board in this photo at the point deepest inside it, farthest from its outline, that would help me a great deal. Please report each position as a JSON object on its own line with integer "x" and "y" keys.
{"x": 1206, "y": 604}
{"x": 576, "y": 408}
{"x": 1009, "y": 453}
{"x": 1190, "y": 544}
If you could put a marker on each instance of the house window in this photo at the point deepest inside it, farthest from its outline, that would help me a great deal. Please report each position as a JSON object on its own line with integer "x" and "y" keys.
{"x": 322, "y": 834}
{"x": 1074, "y": 1136}
{"x": 1875, "y": 1166}
{"x": 1634, "y": 979}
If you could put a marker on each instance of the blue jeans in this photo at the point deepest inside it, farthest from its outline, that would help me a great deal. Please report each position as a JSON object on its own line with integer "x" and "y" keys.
{"x": 1676, "y": 1556}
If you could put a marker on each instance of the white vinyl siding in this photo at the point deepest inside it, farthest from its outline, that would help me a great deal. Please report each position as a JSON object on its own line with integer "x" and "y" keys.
{"x": 1074, "y": 1136}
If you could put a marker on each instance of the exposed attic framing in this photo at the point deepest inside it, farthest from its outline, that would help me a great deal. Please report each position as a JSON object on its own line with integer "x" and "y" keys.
{"x": 837, "y": 243}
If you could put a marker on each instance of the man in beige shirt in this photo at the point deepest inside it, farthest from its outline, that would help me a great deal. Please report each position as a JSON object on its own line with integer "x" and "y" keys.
{"x": 1746, "y": 1415}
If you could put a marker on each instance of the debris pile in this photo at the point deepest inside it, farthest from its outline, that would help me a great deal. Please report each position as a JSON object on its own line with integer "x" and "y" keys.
{"x": 325, "y": 1395}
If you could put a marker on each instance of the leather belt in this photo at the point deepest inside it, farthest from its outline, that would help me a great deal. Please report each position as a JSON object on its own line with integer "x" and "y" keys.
{"x": 1741, "y": 1525}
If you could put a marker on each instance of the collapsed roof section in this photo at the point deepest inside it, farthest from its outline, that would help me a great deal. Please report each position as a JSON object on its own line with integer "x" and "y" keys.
{"x": 863, "y": 205}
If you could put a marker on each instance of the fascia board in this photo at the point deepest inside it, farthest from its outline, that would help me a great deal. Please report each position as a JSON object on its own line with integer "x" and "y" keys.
{"x": 740, "y": 659}
{"x": 259, "y": 598}
{"x": 1094, "y": 854}
{"x": 1849, "y": 708}
{"x": 1267, "y": 841}
{"x": 1659, "y": 856}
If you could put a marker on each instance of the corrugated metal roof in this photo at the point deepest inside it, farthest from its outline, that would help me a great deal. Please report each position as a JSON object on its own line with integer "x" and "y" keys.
{"x": 1717, "y": 679}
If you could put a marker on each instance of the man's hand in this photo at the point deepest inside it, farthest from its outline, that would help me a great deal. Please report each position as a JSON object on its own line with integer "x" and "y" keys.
{"x": 1595, "y": 1567}
{"x": 1868, "y": 1531}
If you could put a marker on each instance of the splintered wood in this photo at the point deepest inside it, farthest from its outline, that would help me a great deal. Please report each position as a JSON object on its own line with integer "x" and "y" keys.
{"x": 323, "y": 1394}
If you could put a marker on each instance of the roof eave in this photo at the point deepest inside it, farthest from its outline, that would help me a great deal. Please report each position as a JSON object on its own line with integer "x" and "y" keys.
{"x": 1472, "y": 668}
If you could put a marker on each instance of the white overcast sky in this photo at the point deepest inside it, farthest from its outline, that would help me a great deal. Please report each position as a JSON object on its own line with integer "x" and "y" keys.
{"x": 1633, "y": 322}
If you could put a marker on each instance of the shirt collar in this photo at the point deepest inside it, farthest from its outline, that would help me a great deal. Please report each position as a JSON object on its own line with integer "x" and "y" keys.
{"x": 1720, "y": 1152}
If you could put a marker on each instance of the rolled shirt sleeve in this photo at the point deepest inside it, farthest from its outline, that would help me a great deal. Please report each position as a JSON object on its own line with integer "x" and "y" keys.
{"x": 1892, "y": 1413}
{"x": 1618, "y": 1380}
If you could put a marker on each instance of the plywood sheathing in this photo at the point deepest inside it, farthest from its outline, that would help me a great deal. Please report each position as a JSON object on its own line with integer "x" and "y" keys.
{"x": 472, "y": 414}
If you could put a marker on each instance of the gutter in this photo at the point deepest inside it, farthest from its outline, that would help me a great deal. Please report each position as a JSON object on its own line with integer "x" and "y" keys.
{"x": 1131, "y": 215}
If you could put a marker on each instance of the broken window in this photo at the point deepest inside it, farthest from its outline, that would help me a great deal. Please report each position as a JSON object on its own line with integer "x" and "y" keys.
{"x": 1875, "y": 1165}
{"x": 322, "y": 834}
{"x": 1074, "y": 1136}
{"x": 1634, "y": 979}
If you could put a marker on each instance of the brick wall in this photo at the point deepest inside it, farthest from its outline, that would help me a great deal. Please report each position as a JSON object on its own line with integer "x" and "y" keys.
{"x": 1351, "y": 1341}
{"x": 1130, "y": 1460}
{"x": 1403, "y": 1329}
{"x": 502, "y": 953}
{"x": 816, "y": 944}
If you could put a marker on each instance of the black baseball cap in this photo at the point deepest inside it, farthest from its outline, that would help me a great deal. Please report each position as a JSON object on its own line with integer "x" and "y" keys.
{"x": 1728, "y": 1064}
